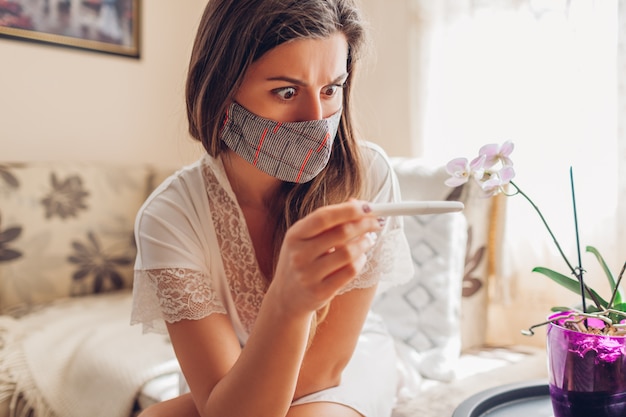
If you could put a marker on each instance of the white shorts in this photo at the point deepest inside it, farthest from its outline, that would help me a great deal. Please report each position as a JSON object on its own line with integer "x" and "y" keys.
{"x": 369, "y": 382}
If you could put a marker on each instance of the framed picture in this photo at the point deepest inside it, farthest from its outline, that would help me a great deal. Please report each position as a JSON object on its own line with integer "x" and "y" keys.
{"x": 110, "y": 26}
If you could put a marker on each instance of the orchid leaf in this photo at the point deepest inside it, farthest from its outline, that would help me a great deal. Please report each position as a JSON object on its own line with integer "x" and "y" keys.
{"x": 593, "y": 309}
{"x": 559, "y": 309}
{"x": 620, "y": 307}
{"x": 607, "y": 271}
{"x": 571, "y": 284}
{"x": 616, "y": 317}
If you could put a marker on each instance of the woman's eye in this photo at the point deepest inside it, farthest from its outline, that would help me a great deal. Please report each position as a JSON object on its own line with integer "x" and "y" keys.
{"x": 331, "y": 90}
{"x": 286, "y": 93}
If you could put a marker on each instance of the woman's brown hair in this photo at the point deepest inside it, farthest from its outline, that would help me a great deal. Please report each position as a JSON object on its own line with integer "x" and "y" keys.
{"x": 231, "y": 36}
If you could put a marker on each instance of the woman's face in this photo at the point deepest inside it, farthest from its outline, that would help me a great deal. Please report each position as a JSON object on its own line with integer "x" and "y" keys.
{"x": 297, "y": 81}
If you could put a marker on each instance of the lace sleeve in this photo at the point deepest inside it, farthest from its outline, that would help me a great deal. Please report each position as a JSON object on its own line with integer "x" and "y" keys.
{"x": 388, "y": 263}
{"x": 171, "y": 295}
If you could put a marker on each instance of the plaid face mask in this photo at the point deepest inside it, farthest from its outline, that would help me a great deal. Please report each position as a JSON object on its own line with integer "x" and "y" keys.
{"x": 290, "y": 151}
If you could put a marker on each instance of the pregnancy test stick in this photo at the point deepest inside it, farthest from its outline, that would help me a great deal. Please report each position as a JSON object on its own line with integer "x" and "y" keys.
{"x": 411, "y": 208}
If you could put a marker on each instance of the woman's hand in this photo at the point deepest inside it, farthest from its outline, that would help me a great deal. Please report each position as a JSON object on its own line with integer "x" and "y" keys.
{"x": 321, "y": 253}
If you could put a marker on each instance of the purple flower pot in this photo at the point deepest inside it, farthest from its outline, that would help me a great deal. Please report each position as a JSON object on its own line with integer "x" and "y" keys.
{"x": 587, "y": 373}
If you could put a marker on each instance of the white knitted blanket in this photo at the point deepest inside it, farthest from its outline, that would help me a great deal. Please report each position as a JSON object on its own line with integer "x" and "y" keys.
{"x": 79, "y": 358}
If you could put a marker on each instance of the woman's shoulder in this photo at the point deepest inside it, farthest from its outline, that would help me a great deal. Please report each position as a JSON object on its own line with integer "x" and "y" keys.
{"x": 374, "y": 153}
{"x": 174, "y": 228}
{"x": 174, "y": 183}
{"x": 182, "y": 192}
{"x": 378, "y": 169}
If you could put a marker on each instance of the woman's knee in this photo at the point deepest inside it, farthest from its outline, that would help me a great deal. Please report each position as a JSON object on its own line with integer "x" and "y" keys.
{"x": 182, "y": 406}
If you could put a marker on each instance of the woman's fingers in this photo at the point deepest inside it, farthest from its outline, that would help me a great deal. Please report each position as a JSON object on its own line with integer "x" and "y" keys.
{"x": 341, "y": 235}
{"x": 324, "y": 251}
{"x": 331, "y": 227}
{"x": 342, "y": 264}
{"x": 328, "y": 217}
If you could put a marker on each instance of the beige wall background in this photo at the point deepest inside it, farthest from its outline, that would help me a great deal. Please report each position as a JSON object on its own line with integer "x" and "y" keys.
{"x": 59, "y": 103}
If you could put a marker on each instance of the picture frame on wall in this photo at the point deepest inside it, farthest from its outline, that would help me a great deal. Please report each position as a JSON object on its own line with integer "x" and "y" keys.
{"x": 109, "y": 26}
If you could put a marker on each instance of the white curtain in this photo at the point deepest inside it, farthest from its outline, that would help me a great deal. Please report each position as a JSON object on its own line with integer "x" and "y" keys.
{"x": 543, "y": 74}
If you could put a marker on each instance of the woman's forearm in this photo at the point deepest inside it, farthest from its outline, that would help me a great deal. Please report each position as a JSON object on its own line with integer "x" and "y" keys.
{"x": 263, "y": 380}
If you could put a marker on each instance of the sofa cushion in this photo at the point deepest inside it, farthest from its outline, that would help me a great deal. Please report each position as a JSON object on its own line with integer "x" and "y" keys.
{"x": 79, "y": 357}
{"x": 66, "y": 229}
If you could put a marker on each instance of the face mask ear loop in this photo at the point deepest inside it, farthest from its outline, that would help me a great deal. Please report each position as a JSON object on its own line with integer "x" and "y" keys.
{"x": 226, "y": 118}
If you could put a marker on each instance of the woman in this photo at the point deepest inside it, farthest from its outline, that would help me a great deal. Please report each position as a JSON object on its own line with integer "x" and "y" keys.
{"x": 262, "y": 259}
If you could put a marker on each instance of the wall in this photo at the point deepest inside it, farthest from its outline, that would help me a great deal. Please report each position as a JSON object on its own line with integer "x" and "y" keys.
{"x": 621, "y": 137}
{"x": 386, "y": 98}
{"x": 61, "y": 103}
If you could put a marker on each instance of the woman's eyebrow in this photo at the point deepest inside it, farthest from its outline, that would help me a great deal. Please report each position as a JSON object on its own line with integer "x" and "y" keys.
{"x": 339, "y": 80}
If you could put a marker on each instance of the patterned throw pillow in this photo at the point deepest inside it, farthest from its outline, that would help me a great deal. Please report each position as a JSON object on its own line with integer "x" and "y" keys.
{"x": 66, "y": 229}
{"x": 449, "y": 255}
{"x": 424, "y": 313}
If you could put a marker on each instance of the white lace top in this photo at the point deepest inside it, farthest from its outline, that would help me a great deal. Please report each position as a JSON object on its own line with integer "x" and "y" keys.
{"x": 195, "y": 256}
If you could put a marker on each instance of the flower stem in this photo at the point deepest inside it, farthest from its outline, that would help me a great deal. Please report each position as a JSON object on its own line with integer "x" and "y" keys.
{"x": 558, "y": 246}
{"x": 545, "y": 223}
{"x": 580, "y": 262}
{"x": 617, "y": 284}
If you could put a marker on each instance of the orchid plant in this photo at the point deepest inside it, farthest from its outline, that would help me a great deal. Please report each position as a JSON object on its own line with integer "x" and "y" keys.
{"x": 493, "y": 170}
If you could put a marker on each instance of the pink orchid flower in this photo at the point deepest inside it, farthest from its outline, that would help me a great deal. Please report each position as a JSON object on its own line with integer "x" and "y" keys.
{"x": 461, "y": 170}
{"x": 495, "y": 153}
{"x": 494, "y": 181}
{"x": 490, "y": 178}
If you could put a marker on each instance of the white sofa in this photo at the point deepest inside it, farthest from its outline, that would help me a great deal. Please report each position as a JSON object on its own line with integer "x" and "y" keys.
{"x": 66, "y": 258}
